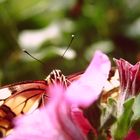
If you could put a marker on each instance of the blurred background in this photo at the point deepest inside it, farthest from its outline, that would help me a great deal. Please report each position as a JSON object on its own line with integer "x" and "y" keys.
{"x": 44, "y": 29}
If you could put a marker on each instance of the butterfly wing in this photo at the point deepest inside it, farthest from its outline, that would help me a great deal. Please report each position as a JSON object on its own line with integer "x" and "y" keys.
{"x": 19, "y": 98}
{"x": 74, "y": 76}
{"x": 25, "y": 97}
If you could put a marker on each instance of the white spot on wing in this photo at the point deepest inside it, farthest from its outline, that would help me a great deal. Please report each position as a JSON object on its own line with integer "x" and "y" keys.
{"x": 5, "y": 93}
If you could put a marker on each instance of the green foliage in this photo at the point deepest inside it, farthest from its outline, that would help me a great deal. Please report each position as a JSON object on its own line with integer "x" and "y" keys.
{"x": 45, "y": 27}
{"x": 124, "y": 121}
{"x": 106, "y": 121}
{"x": 136, "y": 110}
{"x": 109, "y": 114}
{"x": 136, "y": 115}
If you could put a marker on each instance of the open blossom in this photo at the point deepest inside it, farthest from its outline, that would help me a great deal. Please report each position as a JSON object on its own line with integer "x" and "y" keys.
{"x": 61, "y": 118}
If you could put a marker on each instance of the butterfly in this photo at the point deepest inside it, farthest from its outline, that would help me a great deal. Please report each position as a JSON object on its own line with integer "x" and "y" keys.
{"x": 27, "y": 96}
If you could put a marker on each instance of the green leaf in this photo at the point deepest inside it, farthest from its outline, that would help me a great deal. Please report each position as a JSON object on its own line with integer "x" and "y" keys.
{"x": 109, "y": 114}
{"x": 124, "y": 121}
{"x": 136, "y": 109}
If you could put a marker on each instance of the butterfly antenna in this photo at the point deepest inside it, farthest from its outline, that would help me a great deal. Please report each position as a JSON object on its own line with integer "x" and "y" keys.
{"x": 32, "y": 56}
{"x": 72, "y": 37}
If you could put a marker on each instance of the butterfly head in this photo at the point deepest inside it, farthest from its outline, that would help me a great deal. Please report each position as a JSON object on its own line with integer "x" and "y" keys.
{"x": 56, "y": 76}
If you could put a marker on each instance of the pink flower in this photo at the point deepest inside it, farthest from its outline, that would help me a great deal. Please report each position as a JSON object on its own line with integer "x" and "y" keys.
{"x": 62, "y": 118}
{"x": 87, "y": 89}
{"x": 129, "y": 81}
{"x": 129, "y": 77}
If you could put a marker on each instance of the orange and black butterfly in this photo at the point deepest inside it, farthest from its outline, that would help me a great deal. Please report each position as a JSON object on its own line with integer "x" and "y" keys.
{"x": 25, "y": 97}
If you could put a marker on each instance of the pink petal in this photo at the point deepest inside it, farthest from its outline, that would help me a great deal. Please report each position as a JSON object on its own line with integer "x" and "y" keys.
{"x": 87, "y": 89}
{"x": 53, "y": 122}
{"x": 129, "y": 77}
{"x": 82, "y": 122}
